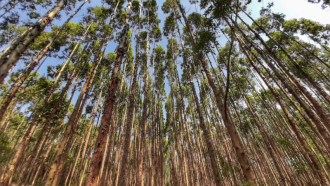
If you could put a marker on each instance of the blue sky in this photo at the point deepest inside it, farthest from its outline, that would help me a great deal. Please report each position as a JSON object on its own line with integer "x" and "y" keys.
{"x": 291, "y": 8}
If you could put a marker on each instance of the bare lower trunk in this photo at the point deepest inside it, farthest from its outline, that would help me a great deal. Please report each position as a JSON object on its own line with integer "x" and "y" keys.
{"x": 46, "y": 127}
{"x": 76, "y": 161}
{"x": 100, "y": 145}
{"x": 292, "y": 123}
{"x": 45, "y": 156}
{"x": 9, "y": 112}
{"x": 19, "y": 153}
{"x": 205, "y": 133}
{"x": 242, "y": 156}
{"x": 70, "y": 126}
{"x": 141, "y": 169}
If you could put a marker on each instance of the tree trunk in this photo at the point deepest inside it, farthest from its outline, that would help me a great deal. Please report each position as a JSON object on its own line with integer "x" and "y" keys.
{"x": 45, "y": 156}
{"x": 323, "y": 116}
{"x": 294, "y": 126}
{"x": 140, "y": 178}
{"x": 58, "y": 127}
{"x": 9, "y": 112}
{"x": 19, "y": 153}
{"x": 9, "y": 58}
{"x": 237, "y": 142}
{"x": 99, "y": 149}
{"x": 46, "y": 127}
{"x": 71, "y": 136}
{"x": 205, "y": 133}
{"x": 71, "y": 125}
{"x": 76, "y": 160}
{"x": 113, "y": 125}
{"x": 300, "y": 70}
{"x": 33, "y": 64}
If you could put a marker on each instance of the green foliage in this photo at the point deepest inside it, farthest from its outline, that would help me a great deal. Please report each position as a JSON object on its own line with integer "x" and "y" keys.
{"x": 11, "y": 33}
{"x": 5, "y": 148}
{"x": 135, "y": 6}
{"x": 168, "y": 5}
{"x": 121, "y": 16}
{"x": 314, "y": 30}
{"x": 101, "y": 13}
{"x": 283, "y": 141}
{"x": 15, "y": 177}
{"x": 218, "y": 8}
{"x": 41, "y": 41}
{"x": 197, "y": 20}
{"x": 169, "y": 25}
{"x": 326, "y": 3}
{"x": 298, "y": 166}
{"x": 166, "y": 63}
{"x": 205, "y": 38}
{"x": 156, "y": 33}
{"x": 75, "y": 29}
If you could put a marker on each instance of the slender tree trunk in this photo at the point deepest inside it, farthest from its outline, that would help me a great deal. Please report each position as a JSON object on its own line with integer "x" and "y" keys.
{"x": 140, "y": 179}
{"x": 46, "y": 128}
{"x": 99, "y": 149}
{"x": 45, "y": 156}
{"x": 80, "y": 181}
{"x": 237, "y": 142}
{"x": 321, "y": 130}
{"x": 58, "y": 127}
{"x": 300, "y": 70}
{"x": 70, "y": 126}
{"x": 10, "y": 56}
{"x": 55, "y": 84}
{"x": 33, "y": 64}
{"x": 174, "y": 178}
{"x": 315, "y": 163}
{"x": 188, "y": 135}
{"x": 323, "y": 116}
{"x": 9, "y": 112}
{"x": 71, "y": 136}
{"x": 8, "y": 10}
{"x": 113, "y": 125}
{"x": 91, "y": 124}
{"x": 19, "y": 153}
{"x": 268, "y": 143}
{"x": 5, "y": 5}
{"x": 76, "y": 160}
{"x": 205, "y": 133}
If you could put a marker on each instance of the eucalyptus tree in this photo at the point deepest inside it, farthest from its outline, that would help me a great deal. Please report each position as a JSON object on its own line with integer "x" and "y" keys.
{"x": 71, "y": 74}
{"x": 251, "y": 112}
{"x": 41, "y": 87}
{"x": 237, "y": 142}
{"x": 12, "y": 54}
{"x": 293, "y": 124}
{"x": 308, "y": 66}
{"x": 151, "y": 21}
{"x": 241, "y": 77}
{"x": 298, "y": 84}
{"x": 100, "y": 147}
{"x": 18, "y": 84}
{"x": 158, "y": 85}
{"x": 14, "y": 10}
{"x": 37, "y": 59}
{"x": 99, "y": 14}
{"x": 170, "y": 28}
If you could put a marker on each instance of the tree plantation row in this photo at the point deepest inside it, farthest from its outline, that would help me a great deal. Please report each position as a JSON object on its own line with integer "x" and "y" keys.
{"x": 146, "y": 92}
